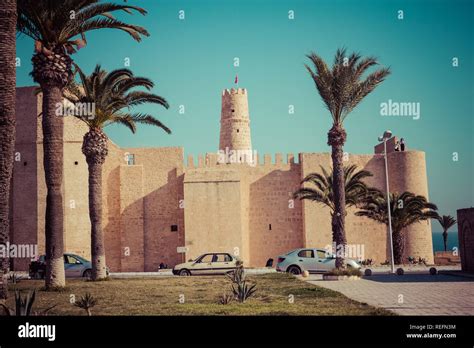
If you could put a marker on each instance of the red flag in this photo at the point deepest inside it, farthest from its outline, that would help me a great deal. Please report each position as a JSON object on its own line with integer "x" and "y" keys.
{"x": 236, "y": 79}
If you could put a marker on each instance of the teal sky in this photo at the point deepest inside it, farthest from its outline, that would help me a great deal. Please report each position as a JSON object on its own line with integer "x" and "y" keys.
{"x": 191, "y": 61}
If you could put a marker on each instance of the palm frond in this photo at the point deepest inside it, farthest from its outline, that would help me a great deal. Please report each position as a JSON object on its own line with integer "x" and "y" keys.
{"x": 107, "y": 91}
{"x": 340, "y": 87}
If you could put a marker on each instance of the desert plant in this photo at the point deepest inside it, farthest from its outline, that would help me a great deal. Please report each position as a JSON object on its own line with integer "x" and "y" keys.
{"x": 24, "y": 305}
{"x": 238, "y": 274}
{"x": 225, "y": 299}
{"x": 240, "y": 289}
{"x": 342, "y": 88}
{"x": 87, "y": 302}
{"x": 414, "y": 261}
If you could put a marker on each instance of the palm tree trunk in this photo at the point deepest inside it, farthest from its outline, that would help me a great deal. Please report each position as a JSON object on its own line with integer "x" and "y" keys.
{"x": 53, "y": 168}
{"x": 94, "y": 147}
{"x": 95, "y": 214}
{"x": 445, "y": 240}
{"x": 398, "y": 247}
{"x": 7, "y": 126}
{"x": 336, "y": 139}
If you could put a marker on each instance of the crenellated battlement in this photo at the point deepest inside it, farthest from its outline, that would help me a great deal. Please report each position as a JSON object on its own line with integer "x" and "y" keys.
{"x": 224, "y": 159}
{"x": 233, "y": 91}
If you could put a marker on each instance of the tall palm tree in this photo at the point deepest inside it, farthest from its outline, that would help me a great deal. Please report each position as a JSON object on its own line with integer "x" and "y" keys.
{"x": 58, "y": 29}
{"x": 446, "y": 222}
{"x": 7, "y": 125}
{"x": 406, "y": 209}
{"x": 342, "y": 88}
{"x": 112, "y": 96}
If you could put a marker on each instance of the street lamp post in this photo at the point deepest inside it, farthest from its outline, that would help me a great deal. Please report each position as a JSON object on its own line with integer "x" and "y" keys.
{"x": 387, "y": 135}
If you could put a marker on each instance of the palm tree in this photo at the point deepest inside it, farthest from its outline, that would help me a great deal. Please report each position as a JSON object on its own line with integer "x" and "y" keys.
{"x": 58, "y": 29}
{"x": 406, "y": 209}
{"x": 342, "y": 88}
{"x": 446, "y": 222}
{"x": 7, "y": 125}
{"x": 112, "y": 96}
{"x": 355, "y": 188}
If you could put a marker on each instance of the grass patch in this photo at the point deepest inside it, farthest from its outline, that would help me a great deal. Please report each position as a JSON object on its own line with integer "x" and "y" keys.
{"x": 161, "y": 296}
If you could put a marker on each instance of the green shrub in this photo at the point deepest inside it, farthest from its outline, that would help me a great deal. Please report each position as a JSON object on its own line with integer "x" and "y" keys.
{"x": 240, "y": 289}
{"x": 86, "y": 302}
{"x": 225, "y": 299}
{"x": 24, "y": 305}
{"x": 346, "y": 272}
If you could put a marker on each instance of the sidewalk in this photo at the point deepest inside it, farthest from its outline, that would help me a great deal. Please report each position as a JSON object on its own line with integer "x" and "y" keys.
{"x": 414, "y": 293}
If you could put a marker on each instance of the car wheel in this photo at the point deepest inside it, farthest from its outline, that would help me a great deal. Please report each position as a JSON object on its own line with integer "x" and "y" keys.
{"x": 87, "y": 274}
{"x": 295, "y": 270}
{"x": 184, "y": 273}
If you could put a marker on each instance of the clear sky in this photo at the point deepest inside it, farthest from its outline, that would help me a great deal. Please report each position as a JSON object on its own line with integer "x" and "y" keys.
{"x": 192, "y": 60}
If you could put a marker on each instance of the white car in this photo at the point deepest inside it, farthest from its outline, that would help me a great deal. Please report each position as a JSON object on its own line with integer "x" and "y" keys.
{"x": 211, "y": 263}
{"x": 311, "y": 260}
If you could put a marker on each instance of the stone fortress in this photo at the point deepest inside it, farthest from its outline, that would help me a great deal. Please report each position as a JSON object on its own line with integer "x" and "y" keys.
{"x": 159, "y": 209}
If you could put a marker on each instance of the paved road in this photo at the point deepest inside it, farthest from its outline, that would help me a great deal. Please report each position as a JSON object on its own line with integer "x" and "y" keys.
{"x": 411, "y": 294}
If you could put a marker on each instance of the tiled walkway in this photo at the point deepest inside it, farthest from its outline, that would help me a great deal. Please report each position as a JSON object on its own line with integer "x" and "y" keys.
{"x": 410, "y": 294}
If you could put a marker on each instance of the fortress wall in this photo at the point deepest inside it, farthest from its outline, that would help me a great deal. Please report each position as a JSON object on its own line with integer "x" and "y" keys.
{"x": 407, "y": 172}
{"x": 162, "y": 193}
{"x": 213, "y": 212}
{"x": 373, "y": 236}
{"x": 140, "y": 214}
{"x": 131, "y": 222}
{"x": 111, "y": 213}
{"x": 316, "y": 217}
{"x": 359, "y": 231}
{"x": 24, "y": 189}
{"x": 275, "y": 219}
{"x": 245, "y": 252}
{"x": 265, "y": 191}
{"x": 41, "y": 200}
{"x": 77, "y": 226}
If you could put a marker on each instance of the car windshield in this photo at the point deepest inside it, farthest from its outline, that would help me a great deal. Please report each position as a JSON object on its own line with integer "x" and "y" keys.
{"x": 83, "y": 260}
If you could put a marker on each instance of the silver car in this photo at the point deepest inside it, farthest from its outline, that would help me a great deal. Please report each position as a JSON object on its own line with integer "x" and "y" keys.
{"x": 75, "y": 266}
{"x": 311, "y": 260}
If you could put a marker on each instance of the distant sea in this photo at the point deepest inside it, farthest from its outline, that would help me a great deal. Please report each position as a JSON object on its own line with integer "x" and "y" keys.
{"x": 438, "y": 240}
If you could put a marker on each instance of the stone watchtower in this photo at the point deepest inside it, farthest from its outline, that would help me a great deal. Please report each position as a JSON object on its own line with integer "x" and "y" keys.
{"x": 235, "y": 121}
